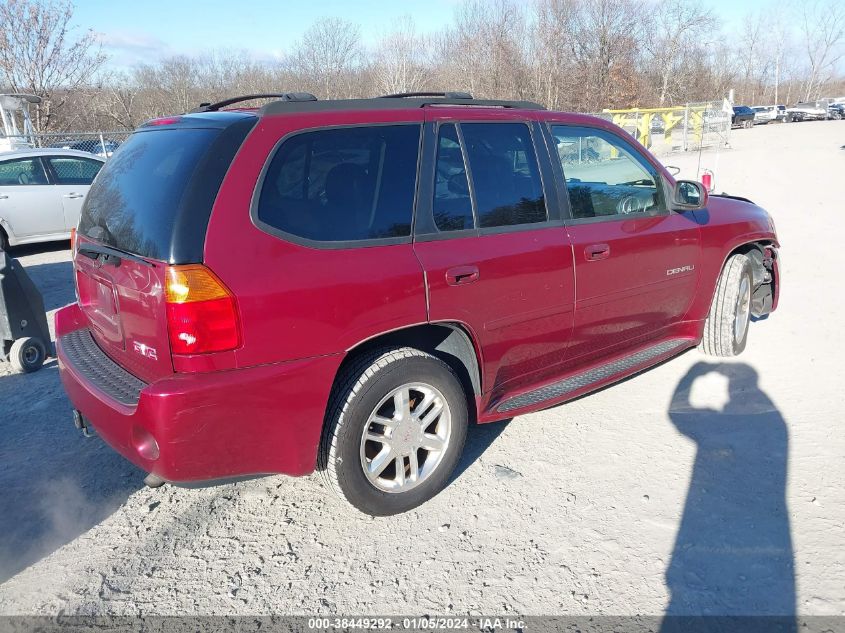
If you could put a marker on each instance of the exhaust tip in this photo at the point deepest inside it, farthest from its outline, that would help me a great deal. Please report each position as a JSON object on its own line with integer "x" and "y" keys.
{"x": 153, "y": 481}
{"x": 81, "y": 423}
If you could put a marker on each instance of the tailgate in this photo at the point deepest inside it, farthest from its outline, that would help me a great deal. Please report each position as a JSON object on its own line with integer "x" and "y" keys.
{"x": 124, "y": 304}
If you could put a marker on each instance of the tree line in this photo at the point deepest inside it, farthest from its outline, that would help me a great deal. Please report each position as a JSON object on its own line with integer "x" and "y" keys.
{"x": 578, "y": 55}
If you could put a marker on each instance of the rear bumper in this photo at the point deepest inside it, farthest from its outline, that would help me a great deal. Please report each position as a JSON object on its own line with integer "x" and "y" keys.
{"x": 205, "y": 426}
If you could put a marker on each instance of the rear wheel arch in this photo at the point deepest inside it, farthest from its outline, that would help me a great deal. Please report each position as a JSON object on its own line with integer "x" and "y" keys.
{"x": 449, "y": 341}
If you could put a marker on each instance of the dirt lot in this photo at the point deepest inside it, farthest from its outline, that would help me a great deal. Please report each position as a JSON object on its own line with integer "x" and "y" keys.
{"x": 697, "y": 487}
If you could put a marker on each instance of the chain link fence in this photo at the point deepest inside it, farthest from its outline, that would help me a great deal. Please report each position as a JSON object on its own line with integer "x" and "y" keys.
{"x": 99, "y": 143}
{"x": 689, "y": 127}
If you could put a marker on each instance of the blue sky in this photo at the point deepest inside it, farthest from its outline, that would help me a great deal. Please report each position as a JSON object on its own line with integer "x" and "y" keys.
{"x": 133, "y": 32}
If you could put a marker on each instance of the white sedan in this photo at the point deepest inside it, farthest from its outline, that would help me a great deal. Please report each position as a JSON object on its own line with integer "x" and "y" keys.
{"x": 41, "y": 193}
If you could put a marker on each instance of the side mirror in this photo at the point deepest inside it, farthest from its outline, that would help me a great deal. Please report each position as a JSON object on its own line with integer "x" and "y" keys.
{"x": 689, "y": 195}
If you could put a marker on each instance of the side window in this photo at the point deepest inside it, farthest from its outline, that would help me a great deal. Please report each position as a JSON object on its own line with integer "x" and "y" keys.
{"x": 74, "y": 171}
{"x": 452, "y": 203}
{"x": 343, "y": 184}
{"x": 604, "y": 175}
{"x": 24, "y": 171}
{"x": 505, "y": 174}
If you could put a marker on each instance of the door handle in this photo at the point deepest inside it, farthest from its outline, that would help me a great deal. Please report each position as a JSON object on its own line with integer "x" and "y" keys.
{"x": 461, "y": 275}
{"x": 74, "y": 195}
{"x": 3, "y": 196}
{"x": 595, "y": 252}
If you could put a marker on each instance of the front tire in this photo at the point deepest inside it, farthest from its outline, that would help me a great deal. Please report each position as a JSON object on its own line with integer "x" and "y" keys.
{"x": 726, "y": 326}
{"x": 394, "y": 431}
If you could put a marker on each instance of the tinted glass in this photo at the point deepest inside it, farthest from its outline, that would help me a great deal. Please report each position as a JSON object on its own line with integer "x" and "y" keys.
{"x": 343, "y": 184}
{"x": 134, "y": 203}
{"x": 452, "y": 203}
{"x": 505, "y": 174}
{"x": 25, "y": 171}
{"x": 604, "y": 175}
{"x": 74, "y": 171}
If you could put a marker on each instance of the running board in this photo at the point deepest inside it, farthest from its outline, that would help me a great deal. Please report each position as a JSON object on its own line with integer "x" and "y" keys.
{"x": 557, "y": 390}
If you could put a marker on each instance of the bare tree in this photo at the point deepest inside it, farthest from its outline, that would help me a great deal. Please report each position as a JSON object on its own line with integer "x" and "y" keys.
{"x": 328, "y": 57}
{"x": 484, "y": 52}
{"x": 675, "y": 34}
{"x": 551, "y": 51}
{"x": 822, "y": 27}
{"x": 40, "y": 54}
{"x": 400, "y": 63}
{"x": 605, "y": 46}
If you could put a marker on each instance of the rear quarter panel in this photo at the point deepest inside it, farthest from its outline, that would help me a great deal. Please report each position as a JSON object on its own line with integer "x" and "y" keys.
{"x": 299, "y": 301}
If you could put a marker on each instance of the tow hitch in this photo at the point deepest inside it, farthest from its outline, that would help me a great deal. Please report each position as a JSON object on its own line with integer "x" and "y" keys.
{"x": 81, "y": 423}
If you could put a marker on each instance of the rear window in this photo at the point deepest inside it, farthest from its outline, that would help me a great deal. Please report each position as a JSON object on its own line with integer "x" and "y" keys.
{"x": 343, "y": 184}
{"x": 136, "y": 197}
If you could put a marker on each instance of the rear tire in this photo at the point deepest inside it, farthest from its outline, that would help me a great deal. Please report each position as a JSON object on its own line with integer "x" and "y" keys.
{"x": 383, "y": 457}
{"x": 726, "y": 327}
{"x": 4, "y": 241}
{"x": 27, "y": 354}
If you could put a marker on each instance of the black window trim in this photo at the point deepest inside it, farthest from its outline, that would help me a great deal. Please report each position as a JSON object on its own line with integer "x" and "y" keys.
{"x": 53, "y": 176}
{"x": 425, "y": 229}
{"x": 327, "y": 244}
{"x": 640, "y": 158}
{"x": 36, "y": 159}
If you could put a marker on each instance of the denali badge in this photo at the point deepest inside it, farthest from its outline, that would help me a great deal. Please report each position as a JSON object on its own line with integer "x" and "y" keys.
{"x": 683, "y": 269}
{"x": 144, "y": 350}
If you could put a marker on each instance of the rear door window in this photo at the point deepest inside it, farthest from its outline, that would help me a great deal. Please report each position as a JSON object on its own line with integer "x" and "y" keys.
{"x": 452, "y": 205}
{"x": 342, "y": 185}
{"x": 505, "y": 174}
{"x": 23, "y": 171}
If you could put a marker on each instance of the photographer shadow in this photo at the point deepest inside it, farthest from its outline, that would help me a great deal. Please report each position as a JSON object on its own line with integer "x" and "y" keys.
{"x": 733, "y": 553}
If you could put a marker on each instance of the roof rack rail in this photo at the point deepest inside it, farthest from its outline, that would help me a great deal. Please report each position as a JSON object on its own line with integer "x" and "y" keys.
{"x": 282, "y": 96}
{"x": 445, "y": 95}
{"x": 380, "y": 103}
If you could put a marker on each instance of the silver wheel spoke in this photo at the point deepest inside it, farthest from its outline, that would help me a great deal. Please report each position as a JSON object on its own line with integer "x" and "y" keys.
{"x": 400, "y": 471}
{"x": 422, "y": 406}
{"x": 432, "y": 442}
{"x": 375, "y": 437}
{"x": 387, "y": 423}
{"x": 431, "y": 416}
{"x": 381, "y": 461}
{"x": 414, "y": 473}
{"x": 402, "y": 402}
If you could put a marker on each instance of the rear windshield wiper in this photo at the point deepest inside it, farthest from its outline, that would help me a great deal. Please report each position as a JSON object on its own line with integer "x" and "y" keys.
{"x": 112, "y": 255}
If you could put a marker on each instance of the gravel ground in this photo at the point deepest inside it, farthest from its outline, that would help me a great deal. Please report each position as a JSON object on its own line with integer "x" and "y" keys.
{"x": 696, "y": 487}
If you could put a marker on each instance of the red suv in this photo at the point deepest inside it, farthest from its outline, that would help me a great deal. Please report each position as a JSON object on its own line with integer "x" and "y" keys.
{"x": 346, "y": 285}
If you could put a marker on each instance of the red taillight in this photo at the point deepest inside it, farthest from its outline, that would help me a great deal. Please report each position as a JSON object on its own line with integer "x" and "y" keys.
{"x": 202, "y": 315}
